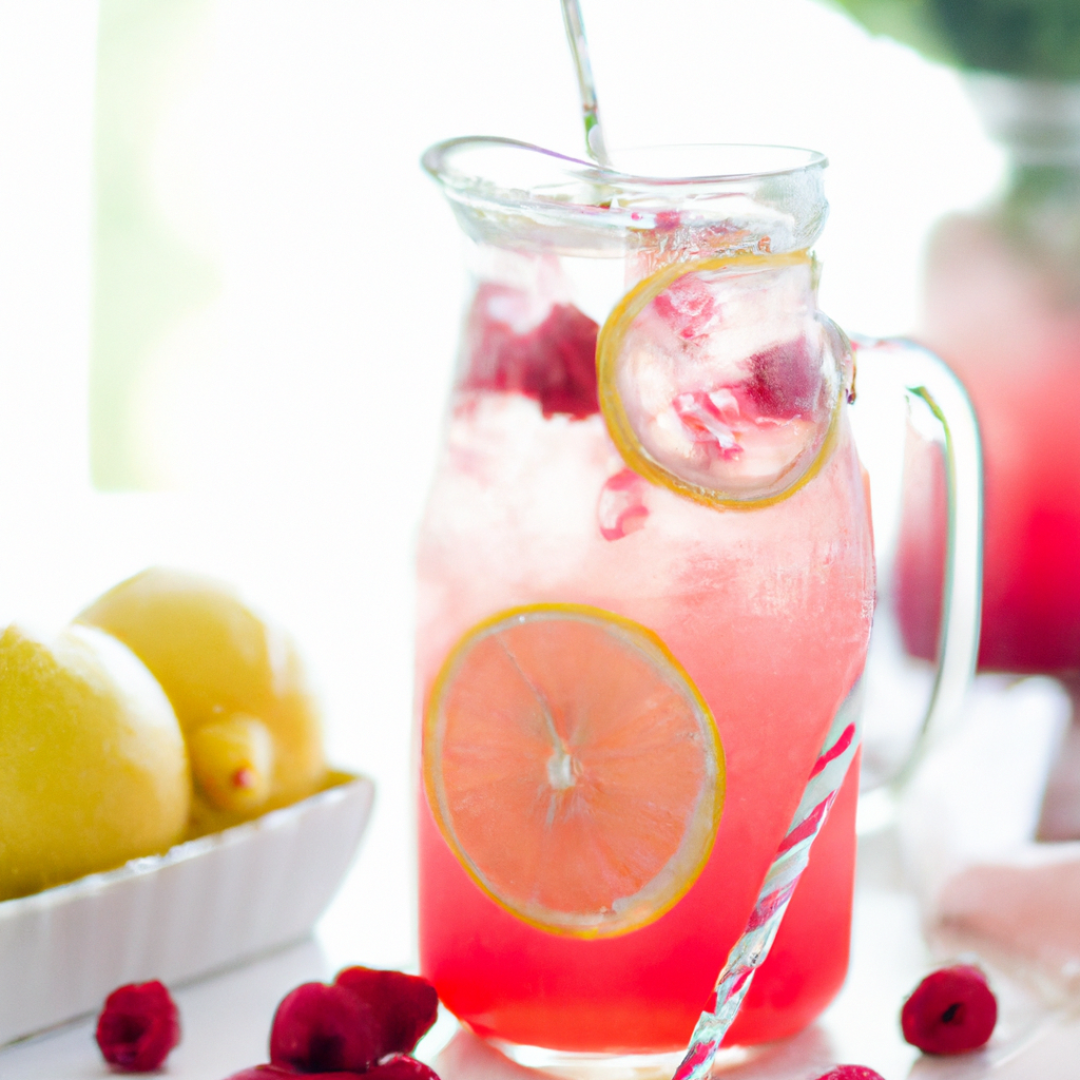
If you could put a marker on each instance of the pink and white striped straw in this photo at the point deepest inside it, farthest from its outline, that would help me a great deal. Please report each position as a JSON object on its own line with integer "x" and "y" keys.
{"x": 787, "y": 866}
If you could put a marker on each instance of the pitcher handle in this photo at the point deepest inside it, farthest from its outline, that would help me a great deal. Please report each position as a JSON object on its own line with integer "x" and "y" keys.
{"x": 927, "y": 377}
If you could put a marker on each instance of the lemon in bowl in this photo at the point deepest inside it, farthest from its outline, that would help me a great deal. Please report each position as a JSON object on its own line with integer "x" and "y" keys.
{"x": 93, "y": 766}
{"x": 237, "y": 684}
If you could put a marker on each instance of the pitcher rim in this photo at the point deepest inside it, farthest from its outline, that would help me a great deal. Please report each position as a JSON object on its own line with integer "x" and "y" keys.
{"x": 436, "y": 159}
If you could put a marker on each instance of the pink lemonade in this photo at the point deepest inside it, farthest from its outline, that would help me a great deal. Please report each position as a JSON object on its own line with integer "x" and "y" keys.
{"x": 762, "y": 612}
{"x": 768, "y": 612}
{"x": 1010, "y": 330}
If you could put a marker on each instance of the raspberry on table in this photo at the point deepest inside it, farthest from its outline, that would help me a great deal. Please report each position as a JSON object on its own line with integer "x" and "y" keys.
{"x": 404, "y": 1006}
{"x": 283, "y": 1072}
{"x": 951, "y": 1011}
{"x": 138, "y": 1027}
{"x": 363, "y": 1024}
{"x": 320, "y": 1028}
{"x": 399, "y": 1067}
{"x": 402, "y": 1067}
{"x": 851, "y": 1072}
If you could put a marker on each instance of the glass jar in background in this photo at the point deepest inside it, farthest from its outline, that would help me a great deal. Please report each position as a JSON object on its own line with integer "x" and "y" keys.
{"x": 1002, "y": 307}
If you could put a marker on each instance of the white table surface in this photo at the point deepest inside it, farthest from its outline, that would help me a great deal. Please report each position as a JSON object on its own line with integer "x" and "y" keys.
{"x": 226, "y": 1018}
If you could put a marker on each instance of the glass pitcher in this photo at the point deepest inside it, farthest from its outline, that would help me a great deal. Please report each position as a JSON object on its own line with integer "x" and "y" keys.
{"x": 646, "y": 584}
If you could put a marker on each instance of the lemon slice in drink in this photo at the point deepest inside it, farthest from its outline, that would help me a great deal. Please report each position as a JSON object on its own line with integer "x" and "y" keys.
{"x": 719, "y": 379}
{"x": 573, "y": 768}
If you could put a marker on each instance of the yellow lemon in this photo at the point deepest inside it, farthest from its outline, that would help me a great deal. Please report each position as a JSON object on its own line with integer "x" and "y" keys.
{"x": 93, "y": 769}
{"x": 237, "y": 685}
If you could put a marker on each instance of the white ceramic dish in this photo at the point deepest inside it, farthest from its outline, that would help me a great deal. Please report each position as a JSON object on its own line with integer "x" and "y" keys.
{"x": 202, "y": 906}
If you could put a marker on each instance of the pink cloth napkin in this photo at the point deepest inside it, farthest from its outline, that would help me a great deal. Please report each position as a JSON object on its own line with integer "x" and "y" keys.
{"x": 1026, "y": 912}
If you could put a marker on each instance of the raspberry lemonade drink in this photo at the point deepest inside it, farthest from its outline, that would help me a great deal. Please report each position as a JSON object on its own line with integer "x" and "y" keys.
{"x": 645, "y": 588}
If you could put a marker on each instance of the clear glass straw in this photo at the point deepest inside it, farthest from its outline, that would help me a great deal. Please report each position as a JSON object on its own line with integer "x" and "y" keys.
{"x": 590, "y": 110}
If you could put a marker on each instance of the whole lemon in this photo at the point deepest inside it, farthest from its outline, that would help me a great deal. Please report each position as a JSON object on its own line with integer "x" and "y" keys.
{"x": 237, "y": 684}
{"x": 93, "y": 768}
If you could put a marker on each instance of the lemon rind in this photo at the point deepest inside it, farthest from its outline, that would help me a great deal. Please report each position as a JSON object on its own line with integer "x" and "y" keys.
{"x": 609, "y": 345}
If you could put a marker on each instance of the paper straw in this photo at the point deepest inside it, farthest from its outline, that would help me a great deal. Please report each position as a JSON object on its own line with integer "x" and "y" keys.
{"x": 787, "y": 866}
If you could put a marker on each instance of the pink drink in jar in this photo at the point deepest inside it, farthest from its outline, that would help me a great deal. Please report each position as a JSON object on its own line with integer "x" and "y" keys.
{"x": 761, "y": 606}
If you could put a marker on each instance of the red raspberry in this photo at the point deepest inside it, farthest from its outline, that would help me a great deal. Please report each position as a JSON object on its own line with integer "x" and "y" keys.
{"x": 851, "y": 1072}
{"x": 554, "y": 363}
{"x": 950, "y": 1012}
{"x": 785, "y": 380}
{"x": 320, "y": 1028}
{"x": 402, "y": 1067}
{"x": 283, "y": 1072}
{"x": 138, "y": 1027}
{"x": 405, "y": 1006}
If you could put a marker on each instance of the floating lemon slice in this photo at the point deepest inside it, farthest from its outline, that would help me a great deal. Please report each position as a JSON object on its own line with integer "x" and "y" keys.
{"x": 719, "y": 378}
{"x": 573, "y": 768}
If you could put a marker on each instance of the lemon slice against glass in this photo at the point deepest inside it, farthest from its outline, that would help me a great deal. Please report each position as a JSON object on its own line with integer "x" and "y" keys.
{"x": 573, "y": 768}
{"x": 721, "y": 380}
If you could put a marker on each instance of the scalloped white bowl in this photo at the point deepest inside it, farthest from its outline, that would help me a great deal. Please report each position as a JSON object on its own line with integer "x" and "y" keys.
{"x": 204, "y": 905}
